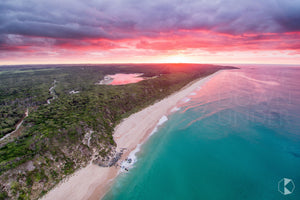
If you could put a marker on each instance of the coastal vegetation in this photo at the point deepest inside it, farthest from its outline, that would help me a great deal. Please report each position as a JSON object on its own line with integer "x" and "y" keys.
{"x": 66, "y": 130}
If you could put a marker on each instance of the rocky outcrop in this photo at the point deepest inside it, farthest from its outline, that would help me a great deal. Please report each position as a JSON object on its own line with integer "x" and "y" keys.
{"x": 109, "y": 160}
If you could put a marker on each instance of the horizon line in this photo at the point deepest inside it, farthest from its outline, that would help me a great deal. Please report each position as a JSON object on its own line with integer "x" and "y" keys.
{"x": 136, "y": 63}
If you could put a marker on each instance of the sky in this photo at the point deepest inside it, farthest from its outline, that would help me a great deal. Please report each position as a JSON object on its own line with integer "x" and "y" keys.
{"x": 149, "y": 31}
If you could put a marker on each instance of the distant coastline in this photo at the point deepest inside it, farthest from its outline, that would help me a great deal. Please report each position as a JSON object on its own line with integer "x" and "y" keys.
{"x": 92, "y": 182}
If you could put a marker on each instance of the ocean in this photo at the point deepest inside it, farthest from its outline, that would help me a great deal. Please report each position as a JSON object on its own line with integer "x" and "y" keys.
{"x": 236, "y": 137}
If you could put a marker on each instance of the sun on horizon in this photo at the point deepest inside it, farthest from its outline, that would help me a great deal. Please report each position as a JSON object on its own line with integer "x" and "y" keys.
{"x": 149, "y": 32}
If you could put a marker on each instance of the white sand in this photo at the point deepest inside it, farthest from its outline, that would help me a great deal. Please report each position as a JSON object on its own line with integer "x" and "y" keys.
{"x": 92, "y": 181}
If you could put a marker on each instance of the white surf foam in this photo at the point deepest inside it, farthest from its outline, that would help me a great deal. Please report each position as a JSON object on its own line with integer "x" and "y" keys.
{"x": 132, "y": 158}
{"x": 175, "y": 109}
{"x": 186, "y": 99}
{"x": 162, "y": 120}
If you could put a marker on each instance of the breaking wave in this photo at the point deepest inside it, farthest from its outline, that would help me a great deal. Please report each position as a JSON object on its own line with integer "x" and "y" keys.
{"x": 132, "y": 158}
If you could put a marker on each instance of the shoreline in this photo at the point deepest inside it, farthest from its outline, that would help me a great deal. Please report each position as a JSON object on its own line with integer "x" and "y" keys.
{"x": 93, "y": 182}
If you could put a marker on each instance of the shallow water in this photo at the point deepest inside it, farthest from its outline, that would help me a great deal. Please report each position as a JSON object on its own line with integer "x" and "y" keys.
{"x": 235, "y": 138}
{"x": 122, "y": 79}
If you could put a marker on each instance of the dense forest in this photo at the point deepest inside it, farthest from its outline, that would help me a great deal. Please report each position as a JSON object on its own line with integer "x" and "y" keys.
{"x": 51, "y": 142}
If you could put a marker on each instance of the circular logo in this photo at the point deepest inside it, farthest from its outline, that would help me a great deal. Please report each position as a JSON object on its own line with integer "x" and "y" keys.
{"x": 286, "y": 186}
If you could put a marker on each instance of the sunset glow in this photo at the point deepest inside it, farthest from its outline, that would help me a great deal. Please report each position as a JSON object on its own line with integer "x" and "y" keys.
{"x": 150, "y": 31}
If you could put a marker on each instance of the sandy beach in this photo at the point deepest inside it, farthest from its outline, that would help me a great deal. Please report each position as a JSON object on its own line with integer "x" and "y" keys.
{"x": 92, "y": 182}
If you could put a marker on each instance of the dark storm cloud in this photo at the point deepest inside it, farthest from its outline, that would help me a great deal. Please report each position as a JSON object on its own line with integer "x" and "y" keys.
{"x": 52, "y": 30}
{"x": 288, "y": 16}
{"x": 112, "y": 20}
{"x": 56, "y": 20}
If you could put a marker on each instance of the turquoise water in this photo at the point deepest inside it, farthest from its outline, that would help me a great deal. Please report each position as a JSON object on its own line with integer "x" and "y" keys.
{"x": 236, "y": 138}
